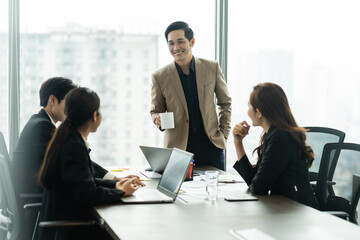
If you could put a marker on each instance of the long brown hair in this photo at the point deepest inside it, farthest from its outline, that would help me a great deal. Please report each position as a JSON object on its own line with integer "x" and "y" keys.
{"x": 80, "y": 105}
{"x": 273, "y": 104}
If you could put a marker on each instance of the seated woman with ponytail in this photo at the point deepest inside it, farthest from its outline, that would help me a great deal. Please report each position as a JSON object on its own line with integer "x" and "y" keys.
{"x": 67, "y": 174}
{"x": 283, "y": 156}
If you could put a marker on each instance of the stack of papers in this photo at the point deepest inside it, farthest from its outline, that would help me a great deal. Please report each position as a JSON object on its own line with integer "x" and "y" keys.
{"x": 194, "y": 192}
{"x": 228, "y": 178}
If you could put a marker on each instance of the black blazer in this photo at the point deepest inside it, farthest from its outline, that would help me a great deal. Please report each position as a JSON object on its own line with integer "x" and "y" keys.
{"x": 280, "y": 169}
{"x": 74, "y": 186}
{"x": 29, "y": 153}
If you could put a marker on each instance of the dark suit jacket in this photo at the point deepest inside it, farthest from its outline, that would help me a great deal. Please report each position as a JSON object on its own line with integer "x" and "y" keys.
{"x": 75, "y": 190}
{"x": 280, "y": 169}
{"x": 74, "y": 186}
{"x": 29, "y": 153}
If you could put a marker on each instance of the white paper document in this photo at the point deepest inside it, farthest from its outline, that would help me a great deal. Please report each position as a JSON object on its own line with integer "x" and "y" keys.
{"x": 250, "y": 234}
{"x": 229, "y": 178}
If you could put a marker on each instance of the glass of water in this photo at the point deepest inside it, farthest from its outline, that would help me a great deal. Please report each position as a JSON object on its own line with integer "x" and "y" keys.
{"x": 212, "y": 178}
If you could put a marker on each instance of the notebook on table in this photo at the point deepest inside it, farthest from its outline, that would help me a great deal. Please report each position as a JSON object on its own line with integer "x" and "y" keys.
{"x": 156, "y": 157}
{"x": 170, "y": 182}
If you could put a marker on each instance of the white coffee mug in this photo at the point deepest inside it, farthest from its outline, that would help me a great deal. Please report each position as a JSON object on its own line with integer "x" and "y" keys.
{"x": 167, "y": 120}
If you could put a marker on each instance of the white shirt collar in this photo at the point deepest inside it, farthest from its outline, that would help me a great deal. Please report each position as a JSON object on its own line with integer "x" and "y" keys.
{"x": 51, "y": 118}
{"x": 86, "y": 143}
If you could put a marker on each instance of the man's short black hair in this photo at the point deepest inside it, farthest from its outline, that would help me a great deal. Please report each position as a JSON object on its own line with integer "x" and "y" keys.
{"x": 57, "y": 86}
{"x": 189, "y": 34}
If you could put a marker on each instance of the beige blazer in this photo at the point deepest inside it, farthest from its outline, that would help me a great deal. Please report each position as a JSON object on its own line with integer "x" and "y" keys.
{"x": 167, "y": 95}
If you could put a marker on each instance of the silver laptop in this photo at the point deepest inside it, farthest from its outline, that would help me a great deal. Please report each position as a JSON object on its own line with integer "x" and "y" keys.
{"x": 157, "y": 157}
{"x": 170, "y": 182}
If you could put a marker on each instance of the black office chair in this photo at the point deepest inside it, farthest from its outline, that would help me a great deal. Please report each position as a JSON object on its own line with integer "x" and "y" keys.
{"x": 21, "y": 199}
{"x": 10, "y": 219}
{"x": 344, "y": 208}
{"x": 4, "y": 152}
{"x": 317, "y": 137}
{"x": 346, "y": 191}
{"x": 3, "y": 148}
{"x": 11, "y": 215}
{"x": 28, "y": 199}
{"x": 354, "y": 213}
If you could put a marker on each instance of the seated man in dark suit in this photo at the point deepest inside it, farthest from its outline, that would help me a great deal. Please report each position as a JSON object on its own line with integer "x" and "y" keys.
{"x": 31, "y": 146}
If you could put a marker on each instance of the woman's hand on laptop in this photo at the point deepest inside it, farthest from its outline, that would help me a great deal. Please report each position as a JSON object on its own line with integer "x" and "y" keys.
{"x": 128, "y": 186}
{"x": 139, "y": 182}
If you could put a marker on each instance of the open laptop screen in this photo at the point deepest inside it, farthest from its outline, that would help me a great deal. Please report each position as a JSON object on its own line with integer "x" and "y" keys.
{"x": 175, "y": 171}
{"x": 156, "y": 157}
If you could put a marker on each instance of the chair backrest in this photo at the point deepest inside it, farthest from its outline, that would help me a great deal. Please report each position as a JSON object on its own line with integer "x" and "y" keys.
{"x": 5, "y": 154}
{"x": 3, "y": 148}
{"x": 349, "y": 163}
{"x": 10, "y": 214}
{"x": 355, "y": 198}
{"x": 317, "y": 137}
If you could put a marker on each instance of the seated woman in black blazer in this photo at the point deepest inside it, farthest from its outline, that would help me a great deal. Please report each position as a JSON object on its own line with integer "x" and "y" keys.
{"x": 67, "y": 175}
{"x": 283, "y": 156}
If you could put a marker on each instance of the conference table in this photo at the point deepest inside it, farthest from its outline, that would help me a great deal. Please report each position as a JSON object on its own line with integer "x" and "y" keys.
{"x": 271, "y": 217}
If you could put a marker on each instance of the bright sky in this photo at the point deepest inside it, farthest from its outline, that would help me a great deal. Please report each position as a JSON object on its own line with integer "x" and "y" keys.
{"x": 330, "y": 27}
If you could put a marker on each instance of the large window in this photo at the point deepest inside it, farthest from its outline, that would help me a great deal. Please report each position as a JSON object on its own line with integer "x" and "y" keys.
{"x": 311, "y": 48}
{"x": 4, "y": 16}
{"x": 112, "y": 47}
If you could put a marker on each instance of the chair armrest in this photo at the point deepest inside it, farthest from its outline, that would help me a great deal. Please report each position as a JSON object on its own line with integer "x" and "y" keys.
{"x": 30, "y": 195}
{"x": 61, "y": 224}
{"x": 29, "y": 206}
{"x": 328, "y": 183}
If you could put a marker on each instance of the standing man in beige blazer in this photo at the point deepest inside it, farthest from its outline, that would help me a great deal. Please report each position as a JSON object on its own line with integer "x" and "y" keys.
{"x": 187, "y": 87}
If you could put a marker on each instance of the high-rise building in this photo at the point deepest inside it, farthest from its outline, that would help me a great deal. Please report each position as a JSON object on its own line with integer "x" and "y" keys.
{"x": 116, "y": 65}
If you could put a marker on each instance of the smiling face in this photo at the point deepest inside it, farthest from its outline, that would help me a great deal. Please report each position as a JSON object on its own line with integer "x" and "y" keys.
{"x": 180, "y": 47}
